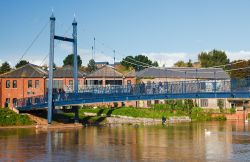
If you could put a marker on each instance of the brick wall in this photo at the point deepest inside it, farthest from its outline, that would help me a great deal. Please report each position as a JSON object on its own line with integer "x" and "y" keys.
{"x": 21, "y": 90}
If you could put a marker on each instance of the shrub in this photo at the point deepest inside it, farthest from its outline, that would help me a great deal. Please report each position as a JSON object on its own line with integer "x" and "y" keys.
{"x": 115, "y": 104}
{"x": 232, "y": 110}
{"x": 10, "y": 118}
{"x": 198, "y": 114}
{"x": 220, "y": 118}
{"x": 220, "y": 104}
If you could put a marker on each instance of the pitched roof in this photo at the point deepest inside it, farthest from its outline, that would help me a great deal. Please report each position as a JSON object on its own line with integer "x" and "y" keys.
{"x": 105, "y": 62}
{"x": 190, "y": 73}
{"x": 67, "y": 72}
{"x": 26, "y": 71}
{"x": 131, "y": 74}
{"x": 105, "y": 71}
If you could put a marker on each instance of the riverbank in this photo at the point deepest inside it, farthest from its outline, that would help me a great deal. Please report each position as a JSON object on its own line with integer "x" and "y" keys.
{"x": 102, "y": 116}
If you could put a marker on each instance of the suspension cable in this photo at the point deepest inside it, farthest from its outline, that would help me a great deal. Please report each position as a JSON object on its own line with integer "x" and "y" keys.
{"x": 34, "y": 40}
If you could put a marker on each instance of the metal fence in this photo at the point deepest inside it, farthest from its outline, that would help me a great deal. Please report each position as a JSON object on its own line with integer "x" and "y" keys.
{"x": 168, "y": 88}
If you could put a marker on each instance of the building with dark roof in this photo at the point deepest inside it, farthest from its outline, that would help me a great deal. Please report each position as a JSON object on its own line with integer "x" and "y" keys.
{"x": 108, "y": 75}
{"x": 155, "y": 74}
{"x": 183, "y": 73}
{"x": 26, "y": 81}
{"x": 100, "y": 64}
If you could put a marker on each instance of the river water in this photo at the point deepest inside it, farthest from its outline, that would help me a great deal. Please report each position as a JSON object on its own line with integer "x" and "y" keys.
{"x": 228, "y": 141}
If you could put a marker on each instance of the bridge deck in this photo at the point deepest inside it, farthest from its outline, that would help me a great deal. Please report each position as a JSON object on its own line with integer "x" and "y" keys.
{"x": 152, "y": 91}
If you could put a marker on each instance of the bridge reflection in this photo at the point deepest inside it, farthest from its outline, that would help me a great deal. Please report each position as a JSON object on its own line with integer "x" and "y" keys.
{"x": 177, "y": 142}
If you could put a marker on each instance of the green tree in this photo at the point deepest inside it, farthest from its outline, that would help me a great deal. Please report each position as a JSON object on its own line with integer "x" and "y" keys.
{"x": 189, "y": 63}
{"x": 138, "y": 62}
{"x": 92, "y": 65}
{"x": 180, "y": 64}
{"x": 5, "y": 67}
{"x": 21, "y": 63}
{"x": 69, "y": 60}
{"x": 213, "y": 58}
{"x": 242, "y": 71}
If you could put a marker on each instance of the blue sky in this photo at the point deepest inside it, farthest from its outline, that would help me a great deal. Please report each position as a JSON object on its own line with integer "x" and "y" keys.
{"x": 164, "y": 30}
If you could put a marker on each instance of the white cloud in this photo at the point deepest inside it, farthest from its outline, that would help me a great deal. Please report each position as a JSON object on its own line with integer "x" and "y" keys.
{"x": 166, "y": 58}
{"x": 236, "y": 55}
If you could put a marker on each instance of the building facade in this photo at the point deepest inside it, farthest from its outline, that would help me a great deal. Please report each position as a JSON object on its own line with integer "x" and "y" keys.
{"x": 155, "y": 75}
{"x": 31, "y": 80}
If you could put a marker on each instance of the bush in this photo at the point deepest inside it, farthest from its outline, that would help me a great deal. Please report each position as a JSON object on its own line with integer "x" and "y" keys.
{"x": 198, "y": 114}
{"x": 232, "y": 110}
{"x": 220, "y": 104}
{"x": 10, "y": 118}
{"x": 115, "y": 104}
{"x": 220, "y": 118}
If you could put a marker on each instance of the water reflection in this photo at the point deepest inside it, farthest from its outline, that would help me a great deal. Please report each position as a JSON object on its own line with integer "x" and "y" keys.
{"x": 228, "y": 141}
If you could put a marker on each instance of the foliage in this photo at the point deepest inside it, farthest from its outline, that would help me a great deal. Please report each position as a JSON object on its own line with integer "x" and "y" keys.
{"x": 189, "y": 63}
{"x": 91, "y": 65}
{"x": 45, "y": 66}
{"x": 5, "y": 67}
{"x": 180, "y": 64}
{"x": 219, "y": 118}
{"x": 220, "y": 104}
{"x": 69, "y": 60}
{"x": 131, "y": 111}
{"x": 21, "y": 63}
{"x": 241, "y": 73}
{"x": 115, "y": 104}
{"x": 232, "y": 110}
{"x": 198, "y": 114}
{"x": 10, "y": 118}
{"x": 213, "y": 58}
{"x": 138, "y": 62}
{"x": 184, "y": 64}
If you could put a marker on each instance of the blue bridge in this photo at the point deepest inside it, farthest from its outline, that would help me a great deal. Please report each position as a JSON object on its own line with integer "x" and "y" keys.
{"x": 190, "y": 89}
{"x": 153, "y": 91}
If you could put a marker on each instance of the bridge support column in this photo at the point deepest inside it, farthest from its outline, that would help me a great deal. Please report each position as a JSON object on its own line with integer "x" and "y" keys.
{"x": 51, "y": 61}
{"x": 76, "y": 111}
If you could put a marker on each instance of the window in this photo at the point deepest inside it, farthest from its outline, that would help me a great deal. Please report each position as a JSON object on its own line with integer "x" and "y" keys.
{"x": 113, "y": 82}
{"x": 7, "y": 84}
{"x": 36, "y": 83}
{"x": 29, "y": 83}
{"x": 204, "y": 102}
{"x": 7, "y": 101}
{"x": 71, "y": 82}
{"x": 128, "y": 82}
{"x": 14, "y": 84}
{"x": 14, "y": 102}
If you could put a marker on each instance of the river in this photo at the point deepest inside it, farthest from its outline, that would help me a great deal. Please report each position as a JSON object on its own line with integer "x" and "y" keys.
{"x": 228, "y": 141}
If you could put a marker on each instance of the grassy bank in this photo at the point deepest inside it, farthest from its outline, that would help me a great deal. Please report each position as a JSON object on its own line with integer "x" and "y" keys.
{"x": 10, "y": 118}
{"x": 156, "y": 112}
{"x": 132, "y": 112}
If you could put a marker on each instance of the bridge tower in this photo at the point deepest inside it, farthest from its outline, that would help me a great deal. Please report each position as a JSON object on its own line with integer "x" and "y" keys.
{"x": 51, "y": 62}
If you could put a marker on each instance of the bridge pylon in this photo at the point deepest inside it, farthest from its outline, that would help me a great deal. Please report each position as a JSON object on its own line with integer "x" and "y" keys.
{"x": 51, "y": 62}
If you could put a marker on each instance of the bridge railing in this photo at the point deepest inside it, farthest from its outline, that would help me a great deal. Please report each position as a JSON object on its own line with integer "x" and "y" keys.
{"x": 175, "y": 87}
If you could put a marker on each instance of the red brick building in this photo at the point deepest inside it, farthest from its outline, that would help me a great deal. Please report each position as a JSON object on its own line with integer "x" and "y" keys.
{"x": 31, "y": 80}
{"x": 26, "y": 81}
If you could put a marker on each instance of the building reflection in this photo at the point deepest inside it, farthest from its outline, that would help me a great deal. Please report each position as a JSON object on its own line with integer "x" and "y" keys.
{"x": 125, "y": 143}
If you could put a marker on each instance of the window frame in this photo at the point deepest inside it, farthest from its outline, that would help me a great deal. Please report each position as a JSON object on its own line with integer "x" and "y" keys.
{"x": 37, "y": 83}
{"x": 7, "y": 84}
{"x": 14, "y": 85}
{"x": 29, "y": 83}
